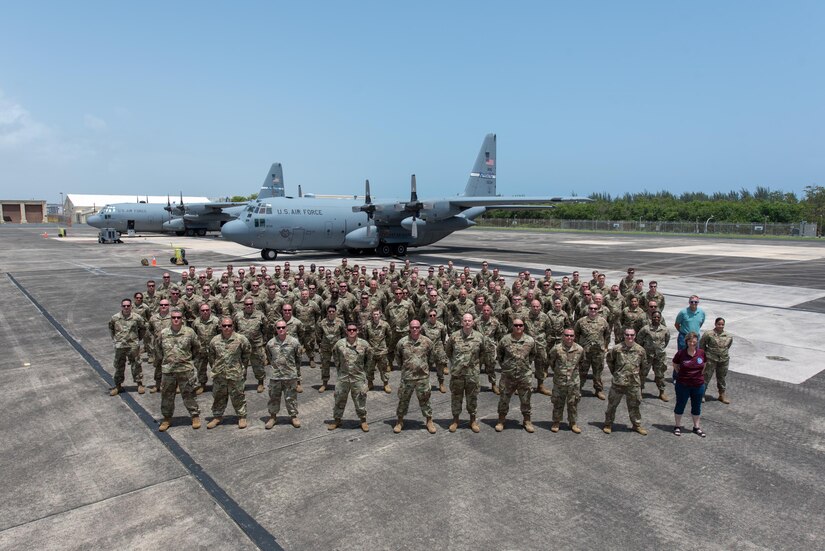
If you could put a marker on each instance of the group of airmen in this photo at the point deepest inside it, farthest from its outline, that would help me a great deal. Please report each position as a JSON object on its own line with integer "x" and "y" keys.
{"x": 365, "y": 322}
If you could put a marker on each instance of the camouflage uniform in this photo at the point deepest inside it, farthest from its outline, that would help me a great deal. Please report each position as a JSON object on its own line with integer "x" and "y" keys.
{"x": 466, "y": 353}
{"x": 615, "y": 305}
{"x": 205, "y": 330}
{"x": 437, "y": 332}
{"x": 492, "y": 330}
{"x": 309, "y": 313}
{"x": 157, "y": 323}
{"x": 633, "y": 318}
{"x": 566, "y": 364}
{"x": 377, "y": 334}
{"x": 351, "y": 360}
{"x": 516, "y": 358}
{"x": 717, "y": 357}
{"x": 626, "y": 364}
{"x": 593, "y": 335}
{"x": 229, "y": 358}
{"x": 329, "y": 333}
{"x": 538, "y": 327}
{"x": 286, "y": 357}
{"x": 398, "y": 316}
{"x": 176, "y": 350}
{"x": 654, "y": 341}
{"x": 251, "y": 326}
{"x": 126, "y": 333}
{"x": 559, "y": 321}
{"x": 416, "y": 357}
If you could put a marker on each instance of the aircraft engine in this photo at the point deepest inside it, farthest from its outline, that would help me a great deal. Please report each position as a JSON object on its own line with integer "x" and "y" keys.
{"x": 453, "y": 223}
{"x": 175, "y": 224}
{"x": 361, "y": 238}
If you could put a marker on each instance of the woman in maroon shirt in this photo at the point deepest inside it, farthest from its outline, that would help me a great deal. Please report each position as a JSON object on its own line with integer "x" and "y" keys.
{"x": 688, "y": 371}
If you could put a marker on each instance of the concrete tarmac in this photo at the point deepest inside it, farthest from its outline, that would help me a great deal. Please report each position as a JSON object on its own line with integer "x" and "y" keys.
{"x": 83, "y": 470}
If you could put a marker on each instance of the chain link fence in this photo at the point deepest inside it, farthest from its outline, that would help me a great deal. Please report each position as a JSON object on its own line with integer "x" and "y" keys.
{"x": 800, "y": 229}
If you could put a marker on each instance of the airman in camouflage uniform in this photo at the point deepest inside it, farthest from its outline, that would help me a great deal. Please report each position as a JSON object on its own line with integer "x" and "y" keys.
{"x": 399, "y": 313}
{"x": 593, "y": 334}
{"x": 416, "y": 357}
{"x": 537, "y": 325}
{"x": 437, "y": 332}
{"x": 716, "y": 345}
{"x": 330, "y": 330}
{"x": 490, "y": 327}
{"x": 157, "y": 323}
{"x": 566, "y": 360}
{"x": 352, "y": 355}
{"x": 250, "y": 323}
{"x": 626, "y": 362}
{"x": 467, "y": 350}
{"x": 285, "y": 352}
{"x": 377, "y": 333}
{"x": 516, "y": 353}
{"x": 229, "y": 354}
{"x": 615, "y": 303}
{"x": 127, "y": 329}
{"x": 205, "y": 326}
{"x": 310, "y": 314}
{"x": 654, "y": 338}
{"x": 176, "y": 347}
{"x": 633, "y": 317}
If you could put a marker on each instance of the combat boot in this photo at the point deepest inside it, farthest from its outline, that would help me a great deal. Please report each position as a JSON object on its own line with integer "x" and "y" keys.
{"x": 430, "y": 426}
{"x": 724, "y": 398}
{"x": 607, "y": 428}
{"x": 370, "y": 385}
{"x": 446, "y": 371}
{"x": 165, "y": 424}
{"x": 198, "y": 390}
{"x": 600, "y": 395}
{"x": 196, "y": 422}
{"x": 474, "y": 424}
{"x": 496, "y": 390}
{"x": 364, "y": 426}
{"x": 663, "y": 396}
{"x": 296, "y": 422}
{"x": 260, "y": 387}
{"x": 299, "y": 388}
{"x": 141, "y": 388}
{"x": 500, "y": 424}
{"x": 241, "y": 423}
{"x": 542, "y": 390}
{"x": 270, "y": 422}
{"x": 441, "y": 388}
{"x": 334, "y": 425}
{"x": 214, "y": 422}
{"x": 528, "y": 425}
{"x": 323, "y": 386}
{"x": 387, "y": 388}
{"x": 554, "y": 427}
{"x": 640, "y": 429}
{"x": 398, "y": 425}
{"x": 154, "y": 389}
{"x": 575, "y": 428}
{"x": 454, "y": 425}
{"x": 117, "y": 389}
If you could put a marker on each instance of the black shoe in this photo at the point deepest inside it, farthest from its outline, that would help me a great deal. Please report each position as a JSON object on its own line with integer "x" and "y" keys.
{"x": 677, "y": 431}
{"x": 698, "y": 431}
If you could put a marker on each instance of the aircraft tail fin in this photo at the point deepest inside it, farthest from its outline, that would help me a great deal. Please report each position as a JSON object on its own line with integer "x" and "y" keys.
{"x": 482, "y": 181}
{"x": 273, "y": 182}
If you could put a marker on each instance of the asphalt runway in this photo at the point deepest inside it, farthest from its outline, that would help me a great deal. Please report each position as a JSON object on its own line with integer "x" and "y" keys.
{"x": 85, "y": 470}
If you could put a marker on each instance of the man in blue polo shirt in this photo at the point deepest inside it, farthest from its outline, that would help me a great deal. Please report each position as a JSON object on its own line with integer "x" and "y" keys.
{"x": 689, "y": 320}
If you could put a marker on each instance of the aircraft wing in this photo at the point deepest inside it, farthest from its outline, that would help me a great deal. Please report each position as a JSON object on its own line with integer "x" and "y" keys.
{"x": 513, "y": 202}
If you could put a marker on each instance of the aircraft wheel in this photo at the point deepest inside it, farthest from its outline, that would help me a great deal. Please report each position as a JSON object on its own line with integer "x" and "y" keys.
{"x": 180, "y": 233}
{"x": 383, "y": 249}
{"x": 269, "y": 254}
{"x": 400, "y": 249}
{"x": 190, "y": 233}
{"x": 201, "y": 232}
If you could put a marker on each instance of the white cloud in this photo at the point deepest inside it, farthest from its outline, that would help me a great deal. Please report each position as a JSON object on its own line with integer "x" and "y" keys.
{"x": 17, "y": 127}
{"x": 95, "y": 123}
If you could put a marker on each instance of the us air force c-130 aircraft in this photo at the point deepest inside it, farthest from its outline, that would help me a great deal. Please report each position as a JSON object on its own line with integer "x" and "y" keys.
{"x": 388, "y": 228}
{"x": 190, "y": 219}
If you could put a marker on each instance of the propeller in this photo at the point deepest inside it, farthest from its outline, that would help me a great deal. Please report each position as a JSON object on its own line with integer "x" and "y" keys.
{"x": 368, "y": 207}
{"x": 182, "y": 207}
{"x": 300, "y": 191}
{"x": 414, "y": 206}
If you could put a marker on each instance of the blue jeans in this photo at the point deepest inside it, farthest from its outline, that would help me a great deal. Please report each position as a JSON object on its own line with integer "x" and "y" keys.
{"x": 695, "y": 394}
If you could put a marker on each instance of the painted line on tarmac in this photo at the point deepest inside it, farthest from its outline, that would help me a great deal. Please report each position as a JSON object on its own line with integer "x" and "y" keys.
{"x": 254, "y": 531}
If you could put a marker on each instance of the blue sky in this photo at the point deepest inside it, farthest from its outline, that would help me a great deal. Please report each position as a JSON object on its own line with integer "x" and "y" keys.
{"x": 612, "y": 97}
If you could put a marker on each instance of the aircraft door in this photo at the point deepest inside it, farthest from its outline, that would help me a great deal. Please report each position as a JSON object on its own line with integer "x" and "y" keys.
{"x": 130, "y": 225}
{"x": 328, "y": 230}
{"x": 297, "y": 238}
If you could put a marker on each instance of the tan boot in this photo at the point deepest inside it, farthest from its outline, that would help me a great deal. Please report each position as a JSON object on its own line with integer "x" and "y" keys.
{"x": 496, "y": 390}
{"x": 270, "y": 422}
{"x": 299, "y": 388}
{"x": 474, "y": 424}
{"x": 214, "y": 422}
{"x": 115, "y": 390}
{"x": 370, "y": 385}
{"x": 364, "y": 426}
{"x": 542, "y": 390}
{"x": 430, "y": 426}
{"x": 196, "y": 422}
{"x": 296, "y": 422}
{"x": 454, "y": 425}
{"x": 446, "y": 371}
{"x": 334, "y": 425}
{"x": 323, "y": 387}
{"x": 199, "y": 390}
{"x": 141, "y": 388}
{"x": 441, "y": 388}
{"x": 607, "y": 428}
{"x": 242, "y": 423}
{"x": 387, "y": 388}
{"x": 724, "y": 398}
{"x": 398, "y": 425}
{"x": 600, "y": 395}
{"x": 554, "y": 427}
{"x": 154, "y": 389}
{"x": 663, "y": 396}
{"x": 640, "y": 429}
{"x": 500, "y": 424}
{"x": 165, "y": 424}
{"x": 575, "y": 428}
{"x": 528, "y": 425}
{"x": 260, "y": 388}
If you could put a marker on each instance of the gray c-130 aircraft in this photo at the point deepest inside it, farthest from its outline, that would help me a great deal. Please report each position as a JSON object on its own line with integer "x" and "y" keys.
{"x": 179, "y": 218}
{"x": 388, "y": 228}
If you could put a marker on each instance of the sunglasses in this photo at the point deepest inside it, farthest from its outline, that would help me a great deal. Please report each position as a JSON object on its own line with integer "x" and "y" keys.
{"x": 352, "y": 329}
{"x": 518, "y": 325}
{"x": 281, "y": 328}
{"x": 694, "y": 302}
{"x": 226, "y": 325}
{"x": 177, "y": 317}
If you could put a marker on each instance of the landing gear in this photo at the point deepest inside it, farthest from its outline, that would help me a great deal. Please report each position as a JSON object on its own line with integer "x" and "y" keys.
{"x": 201, "y": 232}
{"x": 383, "y": 249}
{"x": 190, "y": 233}
{"x": 180, "y": 233}
{"x": 400, "y": 249}
{"x": 269, "y": 254}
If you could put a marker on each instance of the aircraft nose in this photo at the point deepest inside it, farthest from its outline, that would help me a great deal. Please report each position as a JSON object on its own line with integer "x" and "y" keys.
{"x": 94, "y": 220}
{"x": 234, "y": 230}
